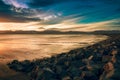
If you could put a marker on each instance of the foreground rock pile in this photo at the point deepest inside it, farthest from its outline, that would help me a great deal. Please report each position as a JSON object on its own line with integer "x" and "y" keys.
{"x": 97, "y": 62}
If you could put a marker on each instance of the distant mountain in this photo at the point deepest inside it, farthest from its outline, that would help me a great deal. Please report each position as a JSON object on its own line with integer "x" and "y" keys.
{"x": 107, "y": 32}
{"x": 103, "y": 32}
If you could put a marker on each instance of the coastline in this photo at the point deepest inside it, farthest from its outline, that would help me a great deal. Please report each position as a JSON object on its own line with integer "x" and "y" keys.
{"x": 77, "y": 64}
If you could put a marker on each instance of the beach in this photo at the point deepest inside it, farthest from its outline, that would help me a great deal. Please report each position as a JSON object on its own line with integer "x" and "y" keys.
{"x": 99, "y": 61}
{"x": 35, "y": 46}
{"x": 59, "y": 39}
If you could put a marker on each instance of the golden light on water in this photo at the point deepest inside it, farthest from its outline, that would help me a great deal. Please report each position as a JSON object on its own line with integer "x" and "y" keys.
{"x": 29, "y": 47}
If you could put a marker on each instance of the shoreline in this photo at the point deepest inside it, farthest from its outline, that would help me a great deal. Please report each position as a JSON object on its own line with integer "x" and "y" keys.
{"x": 74, "y": 60}
{"x": 29, "y": 54}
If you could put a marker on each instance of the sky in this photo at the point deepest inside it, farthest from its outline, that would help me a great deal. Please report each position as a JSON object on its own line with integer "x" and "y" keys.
{"x": 61, "y": 15}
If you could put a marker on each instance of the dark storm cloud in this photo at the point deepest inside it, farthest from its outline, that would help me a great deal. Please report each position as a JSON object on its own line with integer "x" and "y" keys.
{"x": 44, "y": 3}
{"x": 41, "y": 3}
{"x": 10, "y": 18}
{"x": 4, "y": 8}
{"x": 9, "y": 13}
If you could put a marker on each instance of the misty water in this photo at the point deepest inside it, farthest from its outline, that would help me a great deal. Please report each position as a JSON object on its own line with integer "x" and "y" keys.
{"x": 23, "y": 47}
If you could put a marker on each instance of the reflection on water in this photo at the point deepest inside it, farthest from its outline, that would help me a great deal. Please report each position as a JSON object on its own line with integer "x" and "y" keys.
{"x": 37, "y": 46}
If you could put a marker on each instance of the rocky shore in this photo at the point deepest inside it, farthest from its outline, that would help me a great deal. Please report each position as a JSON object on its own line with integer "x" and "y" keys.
{"x": 100, "y": 61}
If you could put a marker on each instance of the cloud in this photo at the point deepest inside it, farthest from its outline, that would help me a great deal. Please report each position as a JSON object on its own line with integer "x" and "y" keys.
{"x": 25, "y": 11}
{"x": 61, "y": 14}
{"x": 44, "y": 3}
{"x": 18, "y": 26}
{"x": 9, "y": 13}
{"x": 13, "y": 11}
{"x": 17, "y": 3}
{"x": 70, "y": 25}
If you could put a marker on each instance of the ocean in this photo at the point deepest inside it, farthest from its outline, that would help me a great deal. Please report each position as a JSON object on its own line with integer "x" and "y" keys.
{"x": 32, "y": 46}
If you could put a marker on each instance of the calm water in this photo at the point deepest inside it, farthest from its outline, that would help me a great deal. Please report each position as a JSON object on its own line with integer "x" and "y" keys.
{"x": 37, "y": 46}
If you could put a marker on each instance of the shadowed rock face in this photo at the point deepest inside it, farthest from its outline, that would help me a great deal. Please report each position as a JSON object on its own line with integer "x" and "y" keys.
{"x": 97, "y": 62}
{"x": 108, "y": 71}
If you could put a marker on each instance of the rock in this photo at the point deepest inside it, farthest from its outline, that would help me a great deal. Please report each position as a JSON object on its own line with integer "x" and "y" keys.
{"x": 108, "y": 71}
{"x": 47, "y": 74}
{"x": 106, "y": 58}
{"x": 34, "y": 75}
{"x": 66, "y": 78}
{"x": 88, "y": 75}
{"x": 58, "y": 69}
{"x": 15, "y": 62}
{"x": 116, "y": 75}
{"x": 113, "y": 59}
{"x": 90, "y": 58}
{"x": 114, "y": 52}
{"x": 26, "y": 63}
{"x": 77, "y": 78}
{"x": 73, "y": 71}
{"x": 108, "y": 67}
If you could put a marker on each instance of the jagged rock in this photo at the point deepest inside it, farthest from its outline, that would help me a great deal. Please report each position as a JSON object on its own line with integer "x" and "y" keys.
{"x": 77, "y": 78}
{"x": 108, "y": 71}
{"x": 88, "y": 75}
{"x": 66, "y": 78}
{"x": 108, "y": 67}
{"x": 47, "y": 74}
{"x": 106, "y": 58}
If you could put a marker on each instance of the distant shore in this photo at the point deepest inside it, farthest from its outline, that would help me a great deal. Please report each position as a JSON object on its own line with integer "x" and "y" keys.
{"x": 99, "y": 32}
{"x": 96, "y": 62}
